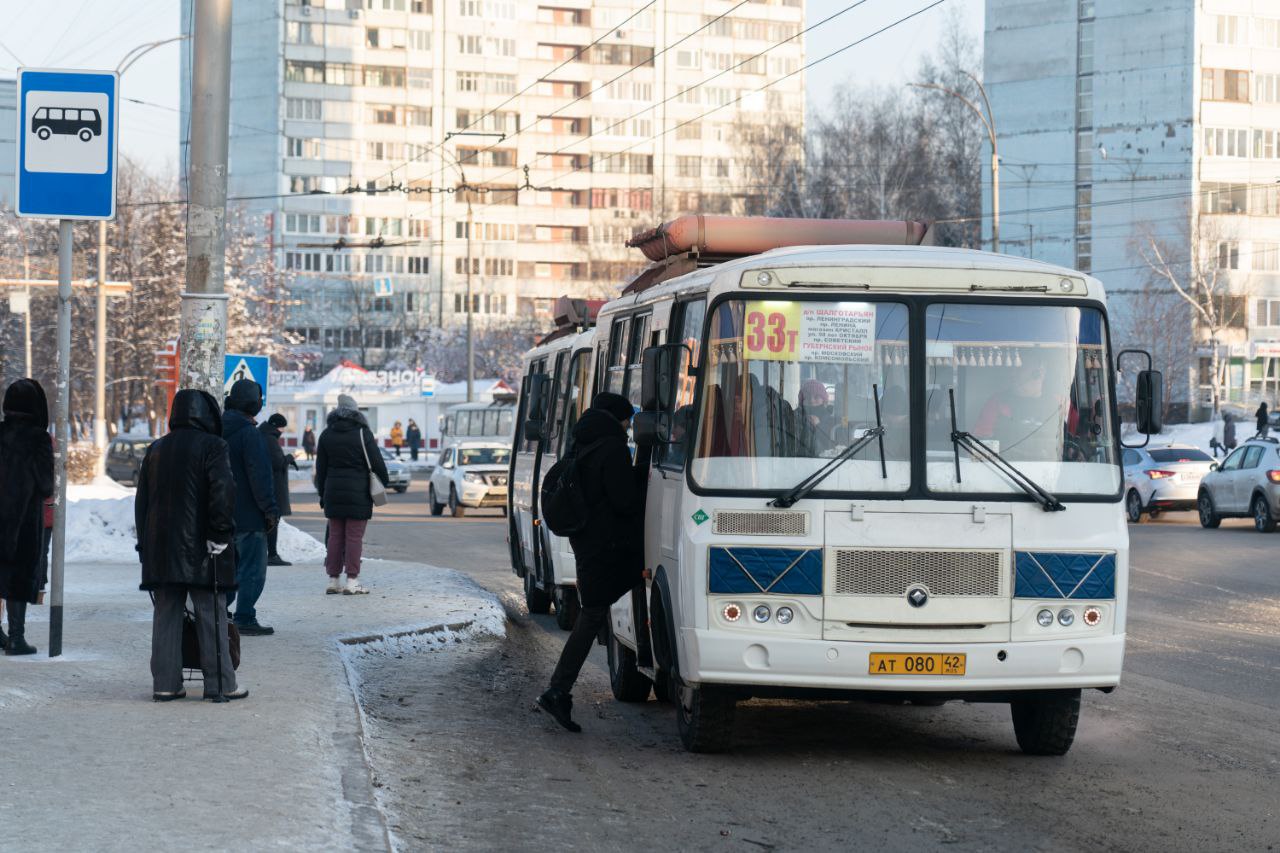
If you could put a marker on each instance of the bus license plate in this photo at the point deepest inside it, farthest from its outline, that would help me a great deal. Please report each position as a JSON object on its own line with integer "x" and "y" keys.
{"x": 930, "y": 663}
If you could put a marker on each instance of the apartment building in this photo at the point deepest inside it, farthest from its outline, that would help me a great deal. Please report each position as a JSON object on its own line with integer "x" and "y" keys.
{"x": 8, "y": 150}
{"x": 548, "y": 132}
{"x": 1135, "y": 125}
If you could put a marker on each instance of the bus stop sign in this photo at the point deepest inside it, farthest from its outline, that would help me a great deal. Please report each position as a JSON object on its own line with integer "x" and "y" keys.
{"x": 66, "y": 143}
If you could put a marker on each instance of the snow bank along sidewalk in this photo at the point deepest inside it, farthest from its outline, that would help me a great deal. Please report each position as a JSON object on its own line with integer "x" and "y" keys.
{"x": 93, "y": 763}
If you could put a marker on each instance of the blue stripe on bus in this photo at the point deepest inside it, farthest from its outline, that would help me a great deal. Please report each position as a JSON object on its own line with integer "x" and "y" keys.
{"x": 1052, "y": 574}
{"x": 753, "y": 571}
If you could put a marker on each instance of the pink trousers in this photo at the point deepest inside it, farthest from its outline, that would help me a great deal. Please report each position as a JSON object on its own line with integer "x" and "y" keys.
{"x": 345, "y": 544}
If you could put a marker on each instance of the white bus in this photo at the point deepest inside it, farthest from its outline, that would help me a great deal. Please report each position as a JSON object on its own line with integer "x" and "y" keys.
{"x": 495, "y": 419}
{"x": 878, "y": 470}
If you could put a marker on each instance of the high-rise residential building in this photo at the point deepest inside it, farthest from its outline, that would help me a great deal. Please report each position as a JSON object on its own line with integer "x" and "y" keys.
{"x": 8, "y": 152}
{"x": 370, "y": 138}
{"x": 1136, "y": 130}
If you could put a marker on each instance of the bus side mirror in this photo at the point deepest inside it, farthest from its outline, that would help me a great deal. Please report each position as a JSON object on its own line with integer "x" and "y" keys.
{"x": 538, "y": 388}
{"x": 651, "y": 428}
{"x": 1150, "y": 402}
{"x": 660, "y": 366}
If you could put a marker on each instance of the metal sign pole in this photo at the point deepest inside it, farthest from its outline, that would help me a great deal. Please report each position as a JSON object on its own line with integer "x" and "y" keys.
{"x": 62, "y": 435}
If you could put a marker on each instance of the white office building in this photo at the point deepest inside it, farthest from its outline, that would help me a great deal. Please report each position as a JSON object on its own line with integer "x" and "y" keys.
{"x": 8, "y": 151}
{"x": 340, "y": 97}
{"x": 1132, "y": 125}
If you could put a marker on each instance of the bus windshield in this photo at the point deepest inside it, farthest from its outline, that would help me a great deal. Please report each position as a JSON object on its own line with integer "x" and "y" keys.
{"x": 1030, "y": 382}
{"x": 790, "y": 384}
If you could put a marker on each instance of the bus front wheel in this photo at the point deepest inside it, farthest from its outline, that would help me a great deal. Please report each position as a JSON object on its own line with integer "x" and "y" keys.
{"x": 1045, "y": 721}
{"x": 628, "y": 683}
{"x": 704, "y": 717}
{"x": 566, "y": 601}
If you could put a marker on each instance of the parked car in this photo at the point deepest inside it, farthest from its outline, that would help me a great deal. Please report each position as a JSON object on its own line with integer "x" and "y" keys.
{"x": 398, "y": 474}
{"x": 1246, "y": 484}
{"x": 470, "y": 474}
{"x": 124, "y": 459}
{"x": 1160, "y": 479}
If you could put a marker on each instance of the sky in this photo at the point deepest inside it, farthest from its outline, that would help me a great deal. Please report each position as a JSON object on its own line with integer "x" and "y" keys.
{"x": 96, "y": 34}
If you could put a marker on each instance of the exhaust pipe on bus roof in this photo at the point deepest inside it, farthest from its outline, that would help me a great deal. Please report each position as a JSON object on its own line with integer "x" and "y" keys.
{"x": 751, "y": 235}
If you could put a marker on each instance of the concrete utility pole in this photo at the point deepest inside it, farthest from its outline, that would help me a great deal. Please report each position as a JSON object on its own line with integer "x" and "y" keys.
{"x": 204, "y": 304}
{"x": 62, "y": 435}
{"x": 471, "y": 341}
{"x": 989, "y": 122}
{"x": 100, "y": 354}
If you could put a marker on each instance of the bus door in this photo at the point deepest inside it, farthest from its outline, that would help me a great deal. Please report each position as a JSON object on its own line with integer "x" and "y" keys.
{"x": 522, "y": 486}
{"x": 542, "y": 449}
{"x": 574, "y": 398}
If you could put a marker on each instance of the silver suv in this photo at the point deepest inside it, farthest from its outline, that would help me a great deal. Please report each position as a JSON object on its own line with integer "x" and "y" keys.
{"x": 1245, "y": 485}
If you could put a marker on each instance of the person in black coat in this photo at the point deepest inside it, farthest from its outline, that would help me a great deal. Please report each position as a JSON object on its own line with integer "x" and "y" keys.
{"x": 413, "y": 435}
{"x": 26, "y": 481}
{"x": 1264, "y": 422}
{"x": 346, "y": 454}
{"x": 610, "y": 551}
{"x": 184, "y": 517}
{"x": 309, "y": 442}
{"x": 280, "y": 464}
{"x": 256, "y": 511}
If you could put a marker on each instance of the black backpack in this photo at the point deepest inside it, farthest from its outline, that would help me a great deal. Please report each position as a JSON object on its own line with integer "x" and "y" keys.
{"x": 563, "y": 503}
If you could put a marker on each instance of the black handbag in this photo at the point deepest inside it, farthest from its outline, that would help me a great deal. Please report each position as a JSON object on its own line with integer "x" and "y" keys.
{"x": 191, "y": 641}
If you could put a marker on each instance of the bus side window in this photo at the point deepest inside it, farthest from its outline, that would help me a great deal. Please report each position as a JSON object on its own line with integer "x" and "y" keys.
{"x": 616, "y": 372}
{"x": 639, "y": 340}
{"x": 686, "y": 328}
{"x": 555, "y": 414}
{"x": 577, "y": 396}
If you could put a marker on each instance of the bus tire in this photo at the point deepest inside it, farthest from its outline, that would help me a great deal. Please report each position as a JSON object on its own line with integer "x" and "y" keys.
{"x": 1263, "y": 520}
{"x": 535, "y": 597}
{"x": 704, "y": 717}
{"x": 456, "y": 509}
{"x": 567, "y": 606}
{"x": 1045, "y": 721}
{"x": 628, "y": 683}
{"x": 437, "y": 508}
{"x": 1209, "y": 517}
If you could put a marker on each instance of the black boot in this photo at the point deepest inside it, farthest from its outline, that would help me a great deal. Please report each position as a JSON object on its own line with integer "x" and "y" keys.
{"x": 17, "y": 644}
{"x": 4, "y": 640}
{"x": 559, "y": 705}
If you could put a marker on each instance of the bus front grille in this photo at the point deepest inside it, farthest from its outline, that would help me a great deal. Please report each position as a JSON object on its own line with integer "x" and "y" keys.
{"x": 762, "y": 523}
{"x": 877, "y": 571}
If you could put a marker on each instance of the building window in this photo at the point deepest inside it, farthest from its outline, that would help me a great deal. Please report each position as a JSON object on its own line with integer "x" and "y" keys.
{"x": 1266, "y": 88}
{"x": 1265, "y": 257}
{"x": 1228, "y": 255}
{"x": 296, "y": 71}
{"x": 1267, "y": 312}
{"x": 688, "y": 167}
{"x": 304, "y": 109}
{"x": 1266, "y": 32}
{"x": 419, "y": 265}
{"x": 1224, "y": 84}
{"x": 301, "y": 32}
{"x": 1229, "y": 29}
{"x": 1226, "y": 142}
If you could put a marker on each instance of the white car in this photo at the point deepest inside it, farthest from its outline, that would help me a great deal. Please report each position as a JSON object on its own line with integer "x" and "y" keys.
{"x": 1245, "y": 485}
{"x": 1162, "y": 479}
{"x": 470, "y": 474}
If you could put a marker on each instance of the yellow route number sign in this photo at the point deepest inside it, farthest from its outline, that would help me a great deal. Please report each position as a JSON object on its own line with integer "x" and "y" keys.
{"x": 836, "y": 332}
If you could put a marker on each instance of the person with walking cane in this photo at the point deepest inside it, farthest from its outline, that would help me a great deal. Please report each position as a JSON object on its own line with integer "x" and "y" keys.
{"x": 184, "y": 516}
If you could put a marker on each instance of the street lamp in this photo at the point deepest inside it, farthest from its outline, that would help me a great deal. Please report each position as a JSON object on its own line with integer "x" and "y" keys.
{"x": 471, "y": 345}
{"x": 989, "y": 122}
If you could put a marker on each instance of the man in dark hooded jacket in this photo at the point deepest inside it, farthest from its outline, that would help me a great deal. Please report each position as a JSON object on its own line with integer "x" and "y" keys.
{"x": 256, "y": 509}
{"x": 272, "y": 431}
{"x": 26, "y": 480}
{"x": 183, "y": 514}
{"x": 610, "y": 551}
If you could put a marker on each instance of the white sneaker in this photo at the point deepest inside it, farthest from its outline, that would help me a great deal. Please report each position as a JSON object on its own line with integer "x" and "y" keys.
{"x": 335, "y": 586}
{"x": 354, "y": 588}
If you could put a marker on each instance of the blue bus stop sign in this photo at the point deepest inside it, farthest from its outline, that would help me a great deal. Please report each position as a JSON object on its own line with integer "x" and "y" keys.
{"x": 66, "y": 143}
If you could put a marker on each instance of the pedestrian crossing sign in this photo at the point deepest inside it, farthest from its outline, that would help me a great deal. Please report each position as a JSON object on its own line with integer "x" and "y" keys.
{"x": 237, "y": 367}
{"x": 383, "y": 287}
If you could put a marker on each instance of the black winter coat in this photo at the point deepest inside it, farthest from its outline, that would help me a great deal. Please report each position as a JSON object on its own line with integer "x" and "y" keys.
{"x": 1261, "y": 417}
{"x": 279, "y": 467}
{"x": 186, "y": 497}
{"x": 342, "y": 478}
{"x": 413, "y": 437}
{"x": 26, "y": 480}
{"x": 610, "y": 553}
{"x": 251, "y": 467}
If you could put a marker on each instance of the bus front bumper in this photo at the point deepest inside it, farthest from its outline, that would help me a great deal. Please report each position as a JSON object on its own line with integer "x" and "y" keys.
{"x": 721, "y": 657}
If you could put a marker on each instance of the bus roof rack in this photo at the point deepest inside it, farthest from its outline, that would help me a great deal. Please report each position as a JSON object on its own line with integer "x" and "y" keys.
{"x": 572, "y": 316}
{"x": 696, "y": 241}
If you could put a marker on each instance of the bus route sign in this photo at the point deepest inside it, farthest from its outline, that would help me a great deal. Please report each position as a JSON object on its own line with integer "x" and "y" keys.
{"x": 834, "y": 332}
{"x": 68, "y": 124}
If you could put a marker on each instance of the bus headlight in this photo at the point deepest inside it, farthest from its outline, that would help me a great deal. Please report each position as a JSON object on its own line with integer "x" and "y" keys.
{"x": 1045, "y": 618}
{"x": 1066, "y": 616}
{"x": 784, "y": 615}
{"x": 732, "y": 612}
{"x": 1092, "y": 616}
{"x": 761, "y": 613}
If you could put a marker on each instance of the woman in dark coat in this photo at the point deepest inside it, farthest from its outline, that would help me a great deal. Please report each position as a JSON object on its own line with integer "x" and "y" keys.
{"x": 1263, "y": 420}
{"x": 346, "y": 453}
{"x": 184, "y": 513}
{"x": 413, "y": 435}
{"x": 280, "y": 463}
{"x": 610, "y": 551}
{"x": 309, "y": 442}
{"x": 26, "y": 481}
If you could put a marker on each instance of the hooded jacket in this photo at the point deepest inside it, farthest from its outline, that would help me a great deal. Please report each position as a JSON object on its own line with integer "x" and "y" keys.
{"x": 610, "y": 551}
{"x": 279, "y": 467}
{"x": 250, "y": 461}
{"x": 186, "y": 496}
{"x": 342, "y": 478}
{"x": 26, "y": 481}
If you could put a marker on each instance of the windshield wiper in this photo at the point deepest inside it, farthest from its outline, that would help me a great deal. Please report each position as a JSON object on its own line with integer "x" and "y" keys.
{"x": 978, "y": 450}
{"x": 808, "y": 484}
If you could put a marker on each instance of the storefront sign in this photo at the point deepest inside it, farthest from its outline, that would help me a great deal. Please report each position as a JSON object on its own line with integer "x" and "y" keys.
{"x": 835, "y": 332}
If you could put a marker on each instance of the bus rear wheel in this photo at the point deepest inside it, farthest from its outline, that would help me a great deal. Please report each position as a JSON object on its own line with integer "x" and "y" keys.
{"x": 1045, "y": 721}
{"x": 628, "y": 683}
{"x": 535, "y": 598}
{"x": 704, "y": 717}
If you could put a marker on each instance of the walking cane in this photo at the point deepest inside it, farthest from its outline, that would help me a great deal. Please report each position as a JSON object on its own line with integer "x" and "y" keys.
{"x": 218, "y": 633}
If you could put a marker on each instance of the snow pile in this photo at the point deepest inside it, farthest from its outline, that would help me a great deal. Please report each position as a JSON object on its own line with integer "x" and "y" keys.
{"x": 100, "y": 527}
{"x": 1195, "y": 435}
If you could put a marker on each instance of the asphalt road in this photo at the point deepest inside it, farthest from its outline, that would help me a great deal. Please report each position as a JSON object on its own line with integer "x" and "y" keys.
{"x": 1184, "y": 756}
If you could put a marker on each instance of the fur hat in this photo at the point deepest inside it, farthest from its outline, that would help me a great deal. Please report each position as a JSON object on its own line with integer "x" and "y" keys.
{"x": 615, "y": 404}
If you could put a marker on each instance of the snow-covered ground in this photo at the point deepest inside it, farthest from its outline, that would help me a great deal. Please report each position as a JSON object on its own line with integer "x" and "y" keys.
{"x": 100, "y": 527}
